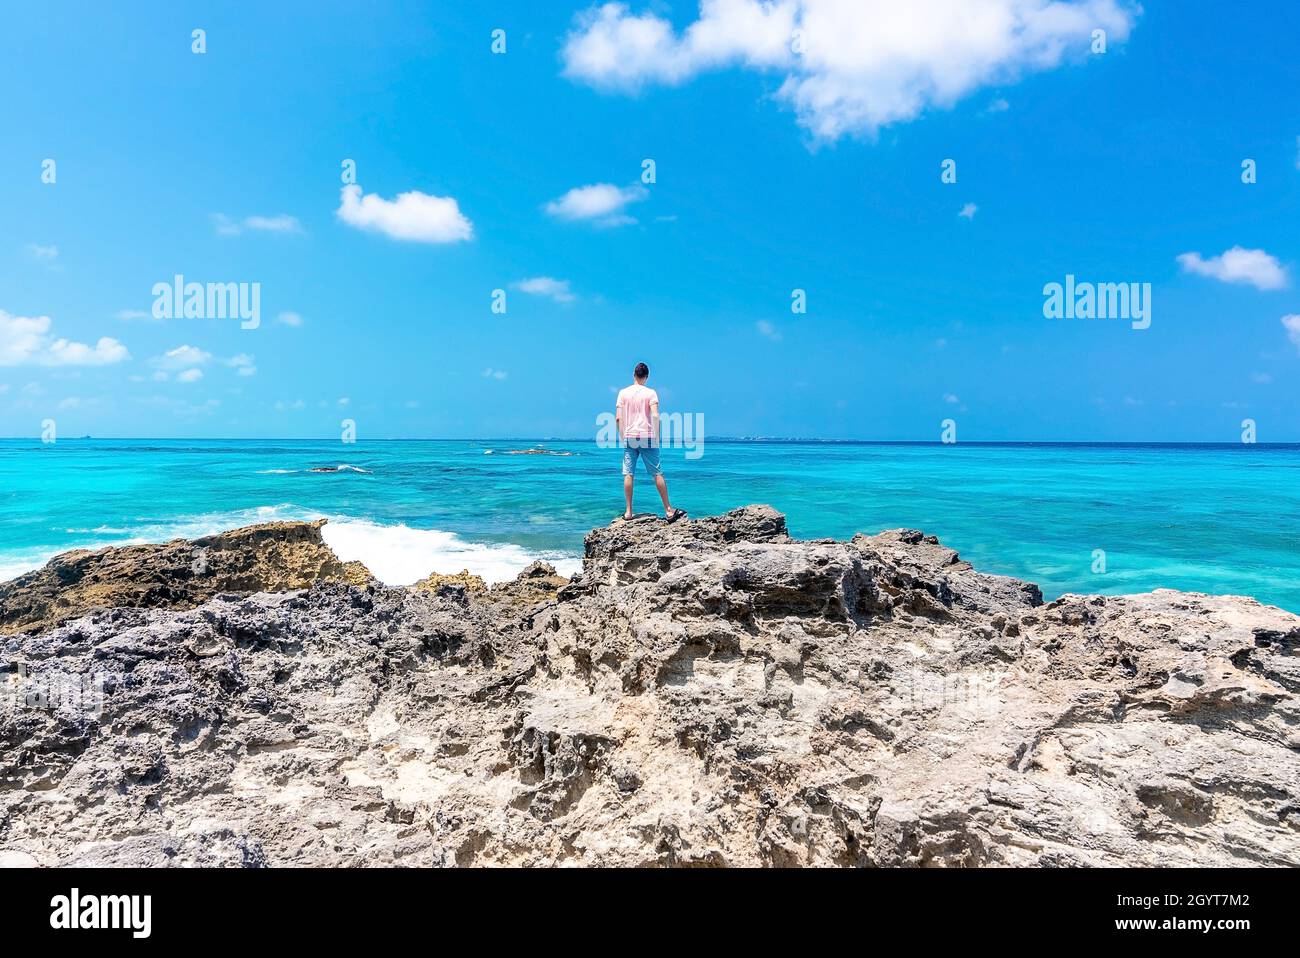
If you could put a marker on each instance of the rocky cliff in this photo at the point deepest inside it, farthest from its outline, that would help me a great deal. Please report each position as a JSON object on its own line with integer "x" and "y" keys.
{"x": 709, "y": 692}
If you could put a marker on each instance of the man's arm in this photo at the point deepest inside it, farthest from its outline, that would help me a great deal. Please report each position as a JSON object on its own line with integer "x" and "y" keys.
{"x": 654, "y": 420}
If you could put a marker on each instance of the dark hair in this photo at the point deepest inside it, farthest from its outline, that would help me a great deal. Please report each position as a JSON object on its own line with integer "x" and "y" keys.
{"x": 642, "y": 371}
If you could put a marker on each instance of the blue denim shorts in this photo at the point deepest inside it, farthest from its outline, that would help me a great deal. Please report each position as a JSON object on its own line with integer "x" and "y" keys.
{"x": 645, "y": 450}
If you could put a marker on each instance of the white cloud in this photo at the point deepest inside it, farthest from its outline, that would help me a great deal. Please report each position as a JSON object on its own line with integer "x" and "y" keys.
{"x": 417, "y": 217}
{"x": 182, "y": 357}
{"x": 853, "y": 66}
{"x": 46, "y": 254}
{"x": 969, "y": 211}
{"x": 288, "y": 318}
{"x": 128, "y": 315}
{"x": 768, "y": 330}
{"x": 1292, "y": 324}
{"x": 950, "y": 398}
{"x": 190, "y": 376}
{"x": 1262, "y": 378}
{"x": 556, "y": 289}
{"x": 602, "y": 202}
{"x": 998, "y": 106}
{"x": 26, "y": 341}
{"x": 294, "y": 406}
{"x": 491, "y": 373}
{"x": 1237, "y": 265}
{"x": 243, "y": 364}
{"x": 281, "y": 223}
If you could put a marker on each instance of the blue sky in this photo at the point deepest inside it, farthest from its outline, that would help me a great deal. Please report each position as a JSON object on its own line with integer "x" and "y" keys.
{"x": 774, "y": 172}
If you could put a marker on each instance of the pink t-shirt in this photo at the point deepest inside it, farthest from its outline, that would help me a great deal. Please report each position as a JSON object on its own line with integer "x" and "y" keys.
{"x": 634, "y": 410}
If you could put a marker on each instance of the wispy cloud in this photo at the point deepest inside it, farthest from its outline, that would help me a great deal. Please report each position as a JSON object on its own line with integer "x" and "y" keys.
{"x": 414, "y": 217}
{"x": 556, "y": 289}
{"x": 289, "y": 318}
{"x": 243, "y": 364}
{"x": 968, "y": 211}
{"x": 27, "y": 341}
{"x": 1291, "y": 323}
{"x": 768, "y": 330}
{"x": 601, "y": 203}
{"x": 491, "y": 373}
{"x": 1238, "y": 265}
{"x": 281, "y": 223}
{"x": 45, "y": 254}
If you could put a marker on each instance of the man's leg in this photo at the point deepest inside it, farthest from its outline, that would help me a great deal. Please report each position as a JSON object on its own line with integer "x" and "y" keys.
{"x": 629, "y": 467}
{"x": 651, "y": 457}
{"x": 662, "y": 485}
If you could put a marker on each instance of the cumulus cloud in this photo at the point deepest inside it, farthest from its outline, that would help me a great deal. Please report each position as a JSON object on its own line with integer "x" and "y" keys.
{"x": 243, "y": 364}
{"x": 26, "y": 341}
{"x": 1291, "y": 323}
{"x": 556, "y": 289}
{"x": 189, "y": 376}
{"x": 968, "y": 211}
{"x": 281, "y": 223}
{"x": 491, "y": 373}
{"x": 603, "y": 203}
{"x": 848, "y": 66}
{"x": 182, "y": 357}
{"x": 413, "y": 216}
{"x": 1237, "y": 265}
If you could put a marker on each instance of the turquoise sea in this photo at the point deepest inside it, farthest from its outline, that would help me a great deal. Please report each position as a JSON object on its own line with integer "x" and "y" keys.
{"x": 1212, "y": 518}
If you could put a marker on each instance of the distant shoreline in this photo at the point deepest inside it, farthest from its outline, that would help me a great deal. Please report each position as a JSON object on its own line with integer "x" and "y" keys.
{"x": 738, "y": 440}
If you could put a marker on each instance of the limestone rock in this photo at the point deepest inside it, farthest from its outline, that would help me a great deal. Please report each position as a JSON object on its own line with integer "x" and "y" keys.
{"x": 710, "y": 692}
{"x": 271, "y": 557}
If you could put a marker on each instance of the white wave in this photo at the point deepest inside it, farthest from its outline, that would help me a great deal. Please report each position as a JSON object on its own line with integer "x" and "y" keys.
{"x": 277, "y": 472}
{"x": 395, "y": 554}
{"x": 400, "y": 555}
{"x": 15, "y": 562}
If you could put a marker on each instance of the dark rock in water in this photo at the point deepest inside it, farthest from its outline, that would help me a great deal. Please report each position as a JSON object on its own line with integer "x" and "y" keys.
{"x": 272, "y": 557}
{"x": 706, "y": 692}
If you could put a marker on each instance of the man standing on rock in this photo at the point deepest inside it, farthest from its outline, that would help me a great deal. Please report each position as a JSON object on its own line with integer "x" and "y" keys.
{"x": 638, "y": 431}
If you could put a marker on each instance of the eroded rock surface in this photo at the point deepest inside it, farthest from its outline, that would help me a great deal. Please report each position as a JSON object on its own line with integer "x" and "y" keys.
{"x": 708, "y": 692}
{"x": 271, "y": 557}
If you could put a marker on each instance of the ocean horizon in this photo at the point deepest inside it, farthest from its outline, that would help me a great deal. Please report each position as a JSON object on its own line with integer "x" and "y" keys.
{"x": 1081, "y": 517}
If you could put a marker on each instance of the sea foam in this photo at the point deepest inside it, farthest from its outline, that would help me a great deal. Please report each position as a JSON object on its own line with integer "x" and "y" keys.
{"x": 400, "y": 555}
{"x": 395, "y": 554}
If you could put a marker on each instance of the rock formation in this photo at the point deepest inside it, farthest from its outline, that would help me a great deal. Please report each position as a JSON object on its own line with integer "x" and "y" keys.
{"x": 709, "y": 692}
{"x": 272, "y": 557}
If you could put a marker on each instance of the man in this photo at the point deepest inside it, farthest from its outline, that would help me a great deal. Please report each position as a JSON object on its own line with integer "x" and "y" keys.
{"x": 638, "y": 431}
